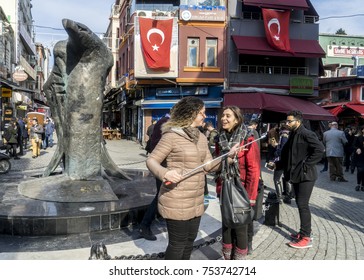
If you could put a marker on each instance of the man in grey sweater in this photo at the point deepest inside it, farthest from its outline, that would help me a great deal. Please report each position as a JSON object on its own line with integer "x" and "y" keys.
{"x": 334, "y": 141}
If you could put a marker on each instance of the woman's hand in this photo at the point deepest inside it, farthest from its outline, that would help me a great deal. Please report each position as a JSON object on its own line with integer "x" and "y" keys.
{"x": 172, "y": 176}
{"x": 234, "y": 151}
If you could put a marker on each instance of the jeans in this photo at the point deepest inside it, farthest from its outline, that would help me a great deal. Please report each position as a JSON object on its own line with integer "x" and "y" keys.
{"x": 303, "y": 193}
{"x": 149, "y": 215}
{"x": 335, "y": 167}
{"x": 277, "y": 175}
{"x": 181, "y": 236}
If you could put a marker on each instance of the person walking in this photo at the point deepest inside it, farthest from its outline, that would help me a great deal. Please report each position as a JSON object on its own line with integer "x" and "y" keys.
{"x": 181, "y": 200}
{"x": 277, "y": 174}
{"x": 238, "y": 242}
{"x": 21, "y": 129}
{"x": 25, "y": 134}
{"x": 48, "y": 131}
{"x": 12, "y": 138}
{"x": 36, "y": 131}
{"x": 149, "y": 216}
{"x": 334, "y": 141}
{"x": 358, "y": 159}
{"x": 150, "y": 130}
{"x": 299, "y": 157}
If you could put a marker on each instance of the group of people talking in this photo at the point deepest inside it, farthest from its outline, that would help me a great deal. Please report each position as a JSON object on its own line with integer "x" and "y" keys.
{"x": 182, "y": 147}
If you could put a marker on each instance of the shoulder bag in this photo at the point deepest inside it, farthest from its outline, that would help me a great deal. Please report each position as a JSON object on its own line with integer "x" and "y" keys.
{"x": 235, "y": 204}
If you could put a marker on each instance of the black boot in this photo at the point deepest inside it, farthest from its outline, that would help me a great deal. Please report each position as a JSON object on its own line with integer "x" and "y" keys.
{"x": 146, "y": 233}
{"x": 250, "y": 247}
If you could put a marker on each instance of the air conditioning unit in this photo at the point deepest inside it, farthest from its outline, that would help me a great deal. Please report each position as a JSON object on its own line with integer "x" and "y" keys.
{"x": 145, "y": 14}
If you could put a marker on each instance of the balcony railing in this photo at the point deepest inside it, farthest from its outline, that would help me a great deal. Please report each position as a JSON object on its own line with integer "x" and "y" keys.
{"x": 276, "y": 70}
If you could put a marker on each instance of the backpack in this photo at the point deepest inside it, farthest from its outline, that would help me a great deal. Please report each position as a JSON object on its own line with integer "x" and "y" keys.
{"x": 7, "y": 134}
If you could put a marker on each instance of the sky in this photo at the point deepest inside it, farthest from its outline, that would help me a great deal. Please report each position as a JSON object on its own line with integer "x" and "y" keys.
{"x": 95, "y": 14}
{"x": 328, "y": 8}
{"x": 48, "y": 15}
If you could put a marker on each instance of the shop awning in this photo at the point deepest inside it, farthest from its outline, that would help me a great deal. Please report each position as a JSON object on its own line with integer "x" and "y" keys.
{"x": 168, "y": 104}
{"x": 356, "y": 107}
{"x": 260, "y": 46}
{"x": 259, "y": 102}
{"x": 278, "y": 4}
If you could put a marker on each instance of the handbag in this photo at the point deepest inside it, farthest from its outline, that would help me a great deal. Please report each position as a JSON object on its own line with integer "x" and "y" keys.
{"x": 235, "y": 204}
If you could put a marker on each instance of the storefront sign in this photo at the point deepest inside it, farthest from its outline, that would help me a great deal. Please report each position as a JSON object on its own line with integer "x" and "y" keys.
{"x": 301, "y": 85}
{"x": 341, "y": 51}
{"x": 212, "y": 11}
{"x": 20, "y": 76}
{"x": 6, "y": 92}
{"x": 181, "y": 91}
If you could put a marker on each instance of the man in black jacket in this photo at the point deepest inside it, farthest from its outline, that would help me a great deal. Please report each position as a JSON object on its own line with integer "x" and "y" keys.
{"x": 299, "y": 157}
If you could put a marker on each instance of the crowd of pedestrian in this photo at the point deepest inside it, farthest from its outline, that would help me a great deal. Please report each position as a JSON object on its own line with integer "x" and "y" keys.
{"x": 23, "y": 133}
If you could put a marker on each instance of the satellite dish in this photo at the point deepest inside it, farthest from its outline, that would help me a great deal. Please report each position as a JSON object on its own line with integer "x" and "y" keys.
{"x": 142, "y": 14}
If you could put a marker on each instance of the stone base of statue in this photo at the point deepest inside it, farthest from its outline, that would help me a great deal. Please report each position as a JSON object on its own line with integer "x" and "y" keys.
{"x": 60, "y": 188}
{"x": 55, "y": 206}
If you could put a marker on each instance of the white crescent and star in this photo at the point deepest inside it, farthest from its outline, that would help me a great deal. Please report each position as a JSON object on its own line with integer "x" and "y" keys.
{"x": 155, "y": 31}
{"x": 275, "y": 21}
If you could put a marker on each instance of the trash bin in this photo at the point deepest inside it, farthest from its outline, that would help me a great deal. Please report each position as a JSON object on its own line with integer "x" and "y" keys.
{"x": 272, "y": 210}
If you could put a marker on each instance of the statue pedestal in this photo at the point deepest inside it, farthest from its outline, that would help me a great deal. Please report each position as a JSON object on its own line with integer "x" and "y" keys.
{"x": 60, "y": 188}
{"x": 48, "y": 212}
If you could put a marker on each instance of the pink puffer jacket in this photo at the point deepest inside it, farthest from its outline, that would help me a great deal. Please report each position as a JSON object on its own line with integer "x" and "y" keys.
{"x": 184, "y": 200}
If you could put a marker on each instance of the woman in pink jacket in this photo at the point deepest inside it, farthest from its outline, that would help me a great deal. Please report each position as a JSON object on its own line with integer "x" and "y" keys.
{"x": 181, "y": 199}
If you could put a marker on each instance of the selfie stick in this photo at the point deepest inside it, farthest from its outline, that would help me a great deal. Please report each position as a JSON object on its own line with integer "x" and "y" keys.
{"x": 219, "y": 157}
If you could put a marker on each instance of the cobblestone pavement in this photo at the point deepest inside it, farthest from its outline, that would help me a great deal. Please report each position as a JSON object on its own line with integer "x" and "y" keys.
{"x": 337, "y": 213}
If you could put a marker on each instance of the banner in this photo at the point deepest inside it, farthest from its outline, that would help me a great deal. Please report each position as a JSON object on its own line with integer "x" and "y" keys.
{"x": 156, "y": 37}
{"x": 276, "y": 24}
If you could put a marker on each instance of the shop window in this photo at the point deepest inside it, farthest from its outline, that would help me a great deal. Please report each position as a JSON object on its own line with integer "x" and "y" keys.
{"x": 192, "y": 52}
{"x": 362, "y": 94}
{"x": 211, "y": 52}
{"x": 341, "y": 95}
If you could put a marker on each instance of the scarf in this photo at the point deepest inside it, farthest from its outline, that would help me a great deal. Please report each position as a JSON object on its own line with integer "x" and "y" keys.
{"x": 227, "y": 141}
{"x": 193, "y": 133}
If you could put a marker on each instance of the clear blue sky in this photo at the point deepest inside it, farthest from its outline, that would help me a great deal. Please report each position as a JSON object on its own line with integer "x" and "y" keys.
{"x": 95, "y": 14}
{"x": 49, "y": 13}
{"x": 328, "y": 8}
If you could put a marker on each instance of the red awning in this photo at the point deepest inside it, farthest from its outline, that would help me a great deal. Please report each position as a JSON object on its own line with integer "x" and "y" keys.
{"x": 258, "y": 102}
{"x": 260, "y": 46}
{"x": 278, "y": 4}
{"x": 356, "y": 107}
{"x": 337, "y": 110}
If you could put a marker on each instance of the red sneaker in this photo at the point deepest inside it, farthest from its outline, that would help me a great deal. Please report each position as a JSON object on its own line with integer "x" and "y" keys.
{"x": 295, "y": 236}
{"x": 298, "y": 236}
{"x": 304, "y": 242}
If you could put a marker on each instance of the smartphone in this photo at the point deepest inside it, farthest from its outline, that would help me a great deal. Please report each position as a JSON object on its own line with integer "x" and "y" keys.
{"x": 269, "y": 165}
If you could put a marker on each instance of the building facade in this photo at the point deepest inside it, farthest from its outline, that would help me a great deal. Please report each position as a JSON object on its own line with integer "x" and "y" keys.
{"x": 342, "y": 85}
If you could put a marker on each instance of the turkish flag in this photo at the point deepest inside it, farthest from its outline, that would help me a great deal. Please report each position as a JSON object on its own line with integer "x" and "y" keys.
{"x": 156, "y": 38}
{"x": 276, "y": 24}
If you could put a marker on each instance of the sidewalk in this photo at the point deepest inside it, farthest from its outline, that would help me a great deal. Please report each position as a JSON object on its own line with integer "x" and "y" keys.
{"x": 337, "y": 222}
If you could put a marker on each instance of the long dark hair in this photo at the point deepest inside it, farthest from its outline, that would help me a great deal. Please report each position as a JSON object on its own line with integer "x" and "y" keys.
{"x": 237, "y": 113}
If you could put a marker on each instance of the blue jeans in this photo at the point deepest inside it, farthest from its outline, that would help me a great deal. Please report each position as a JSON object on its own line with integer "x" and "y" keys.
{"x": 181, "y": 236}
{"x": 303, "y": 193}
{"x": 149, "y": 215}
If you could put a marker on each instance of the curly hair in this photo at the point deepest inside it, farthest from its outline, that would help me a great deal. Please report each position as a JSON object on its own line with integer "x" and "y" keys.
{"x": 185, "y": 111}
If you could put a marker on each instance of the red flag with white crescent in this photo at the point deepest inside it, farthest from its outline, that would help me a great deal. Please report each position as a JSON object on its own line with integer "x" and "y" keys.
{"x": 276, "y": 24}
{"x": 156, "y": 38}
